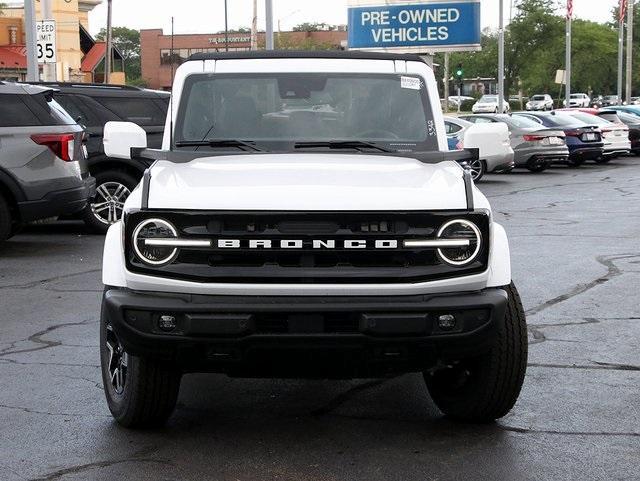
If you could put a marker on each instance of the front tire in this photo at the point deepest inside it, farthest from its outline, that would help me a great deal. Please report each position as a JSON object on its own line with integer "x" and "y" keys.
{"x": 140, "y": 392}
{"x": 485, "y": 388}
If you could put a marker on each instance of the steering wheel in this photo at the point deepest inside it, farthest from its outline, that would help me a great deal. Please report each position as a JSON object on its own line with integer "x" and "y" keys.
{"x": 384, "y": 134}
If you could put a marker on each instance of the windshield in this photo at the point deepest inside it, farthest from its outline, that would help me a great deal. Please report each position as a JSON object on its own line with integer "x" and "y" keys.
{"x": 538, "y": 97}
{"x": 278, "y": 110}
{"x": 521, "y": 122}
{"x": 489, "y": 98}
{"x": 576, "y": 96}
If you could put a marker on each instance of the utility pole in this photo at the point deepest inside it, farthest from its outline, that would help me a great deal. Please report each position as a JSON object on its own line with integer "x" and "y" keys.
{"x": 446, "y": 81}
{"x": 30, "y": 34}
{"x": 49, "y": 70}
{"x": 501, "y": 59}
{"x": 108, "y": 53}
{"x": 268, "y": 13}
{"x": 567, "y": 78}
{"x": 226, "y": 27}
{"x": 620, "y": 53}
{"x": 254, "y": 26}
{"x": 629, "y": 50}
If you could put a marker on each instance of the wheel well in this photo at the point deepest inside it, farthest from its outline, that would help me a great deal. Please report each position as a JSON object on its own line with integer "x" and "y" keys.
{"x": 117, "y": 166}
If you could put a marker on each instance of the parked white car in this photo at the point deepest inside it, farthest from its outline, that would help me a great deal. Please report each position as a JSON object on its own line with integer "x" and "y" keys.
{"x": 492, "y": 141}
{"x": 578, "y": 101}
{"x": 489, "y": 104}
{"x": 540, "y": 102}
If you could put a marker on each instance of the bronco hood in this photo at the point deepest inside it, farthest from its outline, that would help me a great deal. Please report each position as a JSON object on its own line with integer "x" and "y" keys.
{"x": 314, "y": 182}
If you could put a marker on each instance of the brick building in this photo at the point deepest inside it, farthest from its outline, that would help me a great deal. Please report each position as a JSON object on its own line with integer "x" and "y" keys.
{"x": 157, "y": 61}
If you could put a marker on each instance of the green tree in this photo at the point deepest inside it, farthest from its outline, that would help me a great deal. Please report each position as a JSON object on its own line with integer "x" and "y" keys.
{"x": 127, "y": 41}
{"x": 314, "y": 27}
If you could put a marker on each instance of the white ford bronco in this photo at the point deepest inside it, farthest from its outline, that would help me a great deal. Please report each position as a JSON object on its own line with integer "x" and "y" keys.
{"x": 305, "y": 219}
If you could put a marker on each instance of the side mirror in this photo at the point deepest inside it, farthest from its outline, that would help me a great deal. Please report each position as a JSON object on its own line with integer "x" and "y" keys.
{"x": 120, "y": 137}
{"x": 490, "y": 138}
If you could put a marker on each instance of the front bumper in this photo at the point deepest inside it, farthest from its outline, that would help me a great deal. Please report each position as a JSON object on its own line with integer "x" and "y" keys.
{"x": 305, "y": 336}
{"x": 58, "y": 203}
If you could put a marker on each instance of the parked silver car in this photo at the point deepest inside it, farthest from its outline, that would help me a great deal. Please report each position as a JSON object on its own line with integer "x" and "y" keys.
{"x": 43, "y": 166}
{"x": 534, "y": 148}
{"x": 540, "y": 102}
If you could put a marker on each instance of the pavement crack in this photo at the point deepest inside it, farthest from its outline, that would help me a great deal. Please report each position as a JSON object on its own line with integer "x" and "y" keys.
{"x": 612, "y": 271}
{"x": 37, "y": 339}
{"x": 47, "y": 280}
{"x": 139, "y": 457}
{"x": 522, "y": 430}
{"x": 48, "y": 413}
{"x": 343, "y": 397}
{"x": 598, "y": 366}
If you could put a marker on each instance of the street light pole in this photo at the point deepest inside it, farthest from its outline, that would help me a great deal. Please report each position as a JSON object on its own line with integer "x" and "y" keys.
{"x": 620, "y": 55}
{"x": 49, "y": 70}
{"x": 268, "y": 13}
{"x": 568, "y": 60}
{"x": 629, "y": 83}
{"x": 30, "y": 34}
{"x": 107, "y": 54}
{"x": 226, "y": 27}
{"x": 501, "y": 59}
{"x": 446, "y": 82}
{"x": 254, "y": 26}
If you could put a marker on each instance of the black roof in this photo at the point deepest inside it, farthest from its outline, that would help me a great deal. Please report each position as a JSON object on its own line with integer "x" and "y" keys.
{"x": 348, "y": 54}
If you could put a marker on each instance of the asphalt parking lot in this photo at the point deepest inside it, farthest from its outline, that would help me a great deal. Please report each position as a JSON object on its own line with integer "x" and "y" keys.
{"x": 574, "y": 238}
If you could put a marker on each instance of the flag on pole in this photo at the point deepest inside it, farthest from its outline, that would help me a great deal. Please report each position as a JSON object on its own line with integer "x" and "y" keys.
{"x": 569, "y": 9}
{"x": 622, "y": 10}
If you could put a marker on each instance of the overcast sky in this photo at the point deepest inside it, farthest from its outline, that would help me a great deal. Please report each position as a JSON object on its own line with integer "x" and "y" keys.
{"x": 207, "y": 16}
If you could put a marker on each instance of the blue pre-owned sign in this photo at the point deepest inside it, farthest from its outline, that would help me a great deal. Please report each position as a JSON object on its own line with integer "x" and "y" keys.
{"x": 430, "y": 25}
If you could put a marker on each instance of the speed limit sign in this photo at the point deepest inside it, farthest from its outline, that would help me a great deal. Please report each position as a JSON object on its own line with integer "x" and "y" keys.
{"x": 46, "y": 41}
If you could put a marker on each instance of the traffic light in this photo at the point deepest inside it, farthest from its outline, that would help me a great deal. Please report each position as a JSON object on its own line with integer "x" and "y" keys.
{"x": 459, "y": 72}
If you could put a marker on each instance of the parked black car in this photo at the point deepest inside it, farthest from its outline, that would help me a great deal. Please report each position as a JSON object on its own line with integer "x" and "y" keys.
{"x": 93, "y": 105}
{"x": 43, "y": 167}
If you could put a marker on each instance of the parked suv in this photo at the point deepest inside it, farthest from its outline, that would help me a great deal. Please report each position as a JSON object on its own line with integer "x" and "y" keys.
{"x": 305, "y": 219}
{"x": 93, "y": 105}
{"x": 43, "y": 168}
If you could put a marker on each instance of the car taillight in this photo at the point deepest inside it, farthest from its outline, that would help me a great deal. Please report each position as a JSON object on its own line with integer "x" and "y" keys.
{"x": 62, "y": 145}
{"x": 572, "y": 133}
{"x": 606, "y": 131}
{"x": 532, "y": 138}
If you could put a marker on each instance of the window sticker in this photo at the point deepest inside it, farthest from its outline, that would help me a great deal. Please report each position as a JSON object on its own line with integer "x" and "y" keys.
{"x": 410, "y": 83}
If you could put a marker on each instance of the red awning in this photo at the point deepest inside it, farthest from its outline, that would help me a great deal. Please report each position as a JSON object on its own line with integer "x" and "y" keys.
{"x": 93, "y": 57}
{"x": 13, "y": 57}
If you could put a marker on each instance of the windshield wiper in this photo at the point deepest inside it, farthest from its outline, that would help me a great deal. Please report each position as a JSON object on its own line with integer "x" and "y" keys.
{"x": 340, "y": 144}
{"x": 241, "y": 144}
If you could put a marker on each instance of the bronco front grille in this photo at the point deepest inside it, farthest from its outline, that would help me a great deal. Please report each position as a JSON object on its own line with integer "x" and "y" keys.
{"x": 299, "y": 261}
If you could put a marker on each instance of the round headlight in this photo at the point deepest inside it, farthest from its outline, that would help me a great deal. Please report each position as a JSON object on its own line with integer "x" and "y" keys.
{"x": 154, "y": 255}
{"x": 460, "y": 229}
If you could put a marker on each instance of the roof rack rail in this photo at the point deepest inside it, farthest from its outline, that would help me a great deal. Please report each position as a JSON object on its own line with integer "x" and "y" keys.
{"x": 81, "y": 85}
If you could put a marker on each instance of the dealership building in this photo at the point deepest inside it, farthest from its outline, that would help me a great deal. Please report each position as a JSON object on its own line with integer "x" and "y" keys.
{"x": 159, "y": 60}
